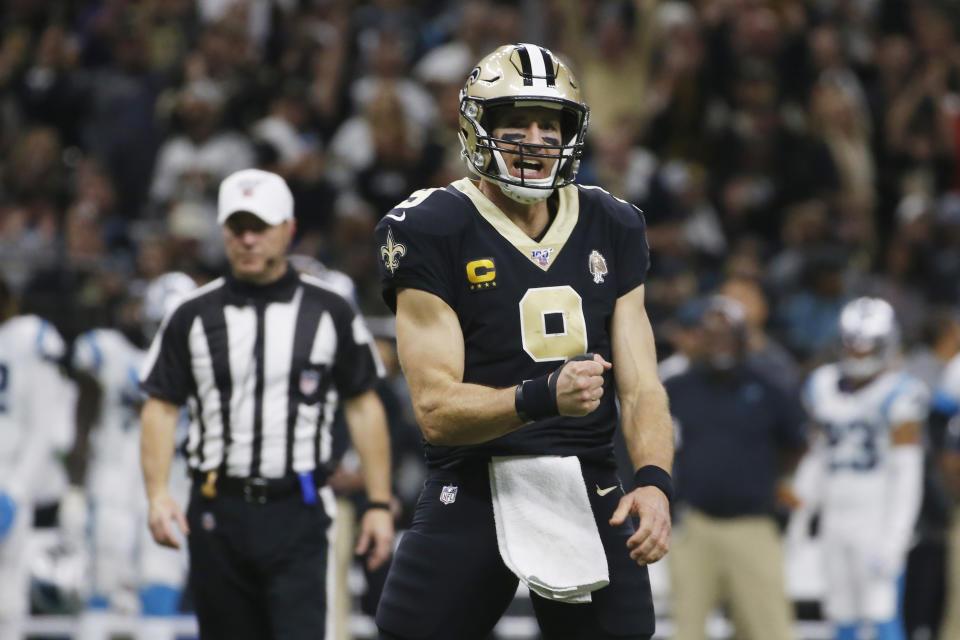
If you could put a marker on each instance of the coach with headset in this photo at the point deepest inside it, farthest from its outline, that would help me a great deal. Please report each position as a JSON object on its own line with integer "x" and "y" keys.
{"x": 262, "y": 357}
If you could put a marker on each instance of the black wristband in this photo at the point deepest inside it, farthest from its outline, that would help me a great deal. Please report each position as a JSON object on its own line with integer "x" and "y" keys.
{"x": 653, "y": 476}
{"x": 534, "y": 399}
{"x": 519, "y": 404}
{"x": 537, "y": 398}
{"x": 378, "y": 505}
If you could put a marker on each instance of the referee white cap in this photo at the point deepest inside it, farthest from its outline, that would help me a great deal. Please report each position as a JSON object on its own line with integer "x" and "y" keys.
{"x": 264, "y": 194}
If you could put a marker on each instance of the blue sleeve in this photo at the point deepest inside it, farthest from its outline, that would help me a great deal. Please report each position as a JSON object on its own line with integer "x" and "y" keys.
{"x": 945, "y": 404}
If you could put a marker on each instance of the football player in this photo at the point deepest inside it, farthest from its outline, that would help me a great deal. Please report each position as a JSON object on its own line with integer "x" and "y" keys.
{"x": 36, "y": 422}
{"x": 867, "y": 471}
{"x": 130, "y": 573}
{"x": 520, "y": 314}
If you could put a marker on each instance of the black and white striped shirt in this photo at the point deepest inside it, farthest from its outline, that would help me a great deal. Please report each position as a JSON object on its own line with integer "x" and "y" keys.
{"x": 262, "y": 369}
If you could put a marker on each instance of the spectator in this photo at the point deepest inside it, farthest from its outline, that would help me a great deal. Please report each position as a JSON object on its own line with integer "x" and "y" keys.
{"x": 617, "y": 46}
{"x": 192, "y": 164}
{"x": 839, "y": 117}
{"x": 763, "y": 353}
{"x": 119, "y": 100}
{"x": 808, "y": 316}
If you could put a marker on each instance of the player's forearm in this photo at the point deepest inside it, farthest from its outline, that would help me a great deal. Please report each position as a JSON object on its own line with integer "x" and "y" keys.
{"x": 906, "y": 493}
{"x": 431, "y": 350}
{"x": 371, "y": 439}
{"x": 644, "y": 407}
{"x": 648, "y": 428}
{"x": 457, "y": 413}
{"x": 158, "y": 428}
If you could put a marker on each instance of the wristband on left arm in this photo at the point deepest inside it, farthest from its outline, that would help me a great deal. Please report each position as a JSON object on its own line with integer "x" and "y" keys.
{"x": 654, "y": 476}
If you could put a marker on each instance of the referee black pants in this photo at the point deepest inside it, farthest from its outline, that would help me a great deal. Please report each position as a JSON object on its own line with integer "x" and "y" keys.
{"x": 259, "y": 571}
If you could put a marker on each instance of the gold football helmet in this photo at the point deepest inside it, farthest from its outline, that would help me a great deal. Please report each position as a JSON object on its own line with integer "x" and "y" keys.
{"x": 522, "y": 75}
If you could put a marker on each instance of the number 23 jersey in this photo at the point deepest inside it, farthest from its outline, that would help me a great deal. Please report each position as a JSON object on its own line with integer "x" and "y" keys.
{"x": 858, "y": 426}
{"x": 524, "y": 306}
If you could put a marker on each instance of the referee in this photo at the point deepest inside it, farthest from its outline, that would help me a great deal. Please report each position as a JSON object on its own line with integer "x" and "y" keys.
{"x": 262, "y": 357}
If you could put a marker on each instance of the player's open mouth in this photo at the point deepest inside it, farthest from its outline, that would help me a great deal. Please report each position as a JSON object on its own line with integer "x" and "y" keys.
{"x": 528, "y": 169}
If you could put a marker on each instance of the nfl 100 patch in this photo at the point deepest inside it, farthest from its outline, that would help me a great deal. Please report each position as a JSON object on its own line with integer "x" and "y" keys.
{"x": 541, "y": 256}
{"x": 448, "y": 495}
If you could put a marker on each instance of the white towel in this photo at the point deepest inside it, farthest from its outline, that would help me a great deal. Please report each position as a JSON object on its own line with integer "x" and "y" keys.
{"x": 545, "y": 527}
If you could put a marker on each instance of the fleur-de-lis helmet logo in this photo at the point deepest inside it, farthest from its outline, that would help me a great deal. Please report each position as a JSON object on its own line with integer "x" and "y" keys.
{"x": 392, "y": 252}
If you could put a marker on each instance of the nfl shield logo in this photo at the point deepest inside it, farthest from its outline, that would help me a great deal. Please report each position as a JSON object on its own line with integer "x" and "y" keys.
{"x": 541, "y": 256}
{"x": 247, "y": 187}
{"x": 309, "y": 381}
{"x": 208, "y": 521}
{"x": 448, "y": 495}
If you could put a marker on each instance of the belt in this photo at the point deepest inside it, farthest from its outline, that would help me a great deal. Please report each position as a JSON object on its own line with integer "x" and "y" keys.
{"x": 259, "y": 490}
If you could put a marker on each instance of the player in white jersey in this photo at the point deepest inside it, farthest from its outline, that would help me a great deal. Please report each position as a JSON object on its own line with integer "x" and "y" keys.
{"x": 336, "y": 280}
{"x": 867, "y": 470}
{"x": 130, "y": 573}
{"x": 113, "y": 466}
{"x": 36, "y": 421}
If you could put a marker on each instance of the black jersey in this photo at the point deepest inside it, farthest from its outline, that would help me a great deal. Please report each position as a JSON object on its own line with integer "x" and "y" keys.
{"x": 524, "y": 306}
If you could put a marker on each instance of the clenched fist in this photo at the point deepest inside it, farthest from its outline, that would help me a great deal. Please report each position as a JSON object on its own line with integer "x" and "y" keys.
{"x": 580, "y": 385}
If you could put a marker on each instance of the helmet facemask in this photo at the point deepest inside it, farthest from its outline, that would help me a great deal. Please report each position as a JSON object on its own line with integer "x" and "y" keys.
{"x": 566, "y": 156}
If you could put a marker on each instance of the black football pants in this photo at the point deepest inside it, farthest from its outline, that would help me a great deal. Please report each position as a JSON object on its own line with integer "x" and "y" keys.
{"x": 448, "y": 581}
{"x": 258, "y": 571}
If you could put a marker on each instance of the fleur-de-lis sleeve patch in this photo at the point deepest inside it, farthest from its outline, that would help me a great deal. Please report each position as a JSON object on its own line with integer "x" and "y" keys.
{"x": 392, "y": 252}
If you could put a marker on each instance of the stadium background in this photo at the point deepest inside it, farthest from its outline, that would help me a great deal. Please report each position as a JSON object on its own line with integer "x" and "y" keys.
{"x": 802, "y": 149}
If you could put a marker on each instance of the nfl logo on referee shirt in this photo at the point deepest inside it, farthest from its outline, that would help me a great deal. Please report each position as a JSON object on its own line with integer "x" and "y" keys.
{"x": 449, "y": 494}
{"x": 208, "y": 521}
{"x": 309, "y": 381}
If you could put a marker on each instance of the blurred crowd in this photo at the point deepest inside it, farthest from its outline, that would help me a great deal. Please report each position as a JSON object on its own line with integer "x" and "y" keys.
{"x": 804, "y": 146}
{"x": 793, "y": 154}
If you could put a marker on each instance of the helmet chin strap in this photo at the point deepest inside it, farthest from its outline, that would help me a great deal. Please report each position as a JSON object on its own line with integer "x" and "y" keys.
{"x": 523, "y": 194}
